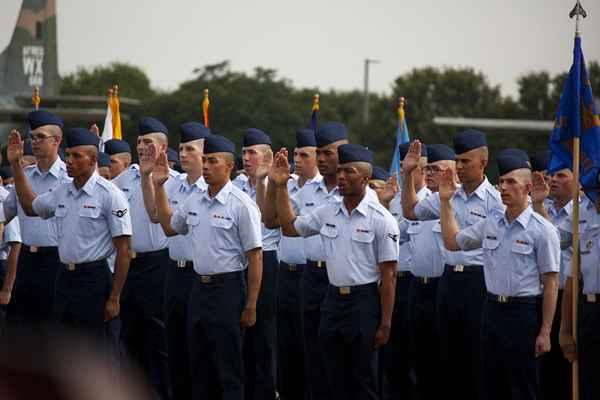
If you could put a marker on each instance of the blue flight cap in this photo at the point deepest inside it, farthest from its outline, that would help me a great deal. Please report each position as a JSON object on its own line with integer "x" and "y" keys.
{"x": 440, "y": 152}
{"x": 379, "y": 173}
{"x": 192, "y": 131}
{"x": 27, "y": 149}
{"x": 172, "y": 155}
{"x": 115, "y": 146}
{"x": 103, "y": 160}
{"x": 218, "y": 144}
{"x": 540, "y": 160}
{"x": 468, "y": 140}
{"x": 81, "y": 137}
{"x": 348, "y": 153}
{"x": 151, "y": 125}
{"x": 6, "y": 172}
{"x": 404, "y": 150}
{"x": 255, "y": 136}
{"x": 40, "y": 118}
{"x": 305, "y": 138}
{"x": 330, "y": 132}
{"x": 511, "y": 162}
{"x": 513, "y": 152}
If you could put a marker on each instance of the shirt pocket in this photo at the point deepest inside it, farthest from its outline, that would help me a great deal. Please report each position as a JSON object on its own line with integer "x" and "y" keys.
{"x": 89, "y": 219}
{"x": 362, "y": 246}
{"x": 413, "y": 231}
{"x": 522, "y": 255}
{"x": 222, "y": 233}
{"x": 329, "y": 234}
{"x": 59, "y": 216}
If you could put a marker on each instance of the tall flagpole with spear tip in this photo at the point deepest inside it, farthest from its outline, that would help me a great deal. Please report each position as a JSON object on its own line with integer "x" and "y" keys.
{"x": 577, "y": 12}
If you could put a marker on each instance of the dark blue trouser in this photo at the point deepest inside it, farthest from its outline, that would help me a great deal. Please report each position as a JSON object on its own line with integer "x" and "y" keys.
{"x": 81, "y": 296}
{"x": 178, "y": 287}
{"x": 290, "y": 346}
{"x": 396, "y": 357}
{"x": 215, "y": 338}
{"x": 588, "y": 349}
{"x": 347, "y": 332}
{"x": 555, "y": 369}
{"x": 425, "y": 339}
{"x": 509, "y": 368}
{"x": 35, "y": 287}
{"x": 313, "y": 287}
{"x": 142, "y": 319}
{"x": 460, "y": 299}
{"x": 2, "y": 308}
{"x": 260, "y": 341}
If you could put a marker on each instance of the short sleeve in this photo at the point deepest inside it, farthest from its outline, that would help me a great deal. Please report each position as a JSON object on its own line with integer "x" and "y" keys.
{"x": 44, "y": 204}
{"x": 119, "y": 215}
{"x": 12, "y": 232}
{"x": 249, "y": 225}
{"x": 10, "y": 204}
{"x": 548, "y": 250}
{"x": 428, "y": 208}
{"x": 387, "y": 237}
{"x": 310, "y": 223}
{"x": 471, "y": 238}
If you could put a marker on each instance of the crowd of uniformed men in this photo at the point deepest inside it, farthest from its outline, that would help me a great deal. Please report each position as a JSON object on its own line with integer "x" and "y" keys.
{"x": 332, "y": 281}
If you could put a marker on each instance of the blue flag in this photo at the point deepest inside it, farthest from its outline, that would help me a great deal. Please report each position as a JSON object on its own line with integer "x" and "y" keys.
{"x": 577, "y": 117}
{"x": 401, "y": 138}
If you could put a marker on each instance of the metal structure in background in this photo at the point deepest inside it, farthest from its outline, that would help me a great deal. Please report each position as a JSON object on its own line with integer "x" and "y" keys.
{"x": 368, "y": 62}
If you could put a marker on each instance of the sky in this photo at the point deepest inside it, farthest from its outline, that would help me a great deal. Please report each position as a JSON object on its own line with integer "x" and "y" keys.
{"x": 322, "y": 43}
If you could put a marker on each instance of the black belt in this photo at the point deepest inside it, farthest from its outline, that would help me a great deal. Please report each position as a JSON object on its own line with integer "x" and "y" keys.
{"x": 348, "y": 290}
{"x": 40, "y": 249}
{"x": 426, "y": 280}
{"x": 513, "y": 300}
{"x": 73, "y": 266}
{"x": 317, "y": 264}
{"x": 183, "y": 264}
{"x": 147, "y": 254}
{"x": 462, "y": 268}
{"x": 219, "y": 278}
{"x": 593, "y": 298}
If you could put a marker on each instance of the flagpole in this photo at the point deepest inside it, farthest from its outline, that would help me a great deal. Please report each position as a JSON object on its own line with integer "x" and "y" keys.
{"x": 35, "y": 98}
{"x": 577, "y": 12}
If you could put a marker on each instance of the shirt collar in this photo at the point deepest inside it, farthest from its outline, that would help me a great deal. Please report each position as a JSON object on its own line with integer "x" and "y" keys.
{"x": 222, "y": 196}
{"x": 522, "y": 219}
{"x": 480, "y": 192}
{"x": 185, "y": 186}
{"x": 362, "y": 207}
{"x": 57, "y": 166}
{"x": 88, "y": 187}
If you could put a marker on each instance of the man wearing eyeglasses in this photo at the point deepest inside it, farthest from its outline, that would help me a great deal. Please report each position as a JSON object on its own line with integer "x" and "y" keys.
{"x": 38, "y": 262}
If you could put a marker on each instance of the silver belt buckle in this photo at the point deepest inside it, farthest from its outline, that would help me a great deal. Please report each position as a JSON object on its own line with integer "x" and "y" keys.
{"x": 133, "y": 254}
{"x": 33, "y": 249}
{"x": 502, "y": 299}
{"x": 205, "y": 278}
{"x": 70, "y": 267}
{"x": 292, "y": 267}
{"x": 591, "y": 297}
{"x": 320, "y": 264}
{"x": 181, "y": 264}
{"x": 459, "y": 268}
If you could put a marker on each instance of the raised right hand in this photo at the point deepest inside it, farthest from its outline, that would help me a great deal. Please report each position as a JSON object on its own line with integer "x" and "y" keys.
{"x": 279, "y": 173}
{"x": 148, "y": 159}
{"x": 160, "y": 172}
{"x": 541, "y": 189}
{"x": 447, "y": 186}
{"x": 14, "y": 151}
{"x": 412, "y": 158}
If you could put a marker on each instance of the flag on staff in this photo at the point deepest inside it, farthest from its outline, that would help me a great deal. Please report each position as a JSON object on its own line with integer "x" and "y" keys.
{"x": 577, "y": 117}
{"x": 115, "y": 108}
{"x": 315, "y": 110}
{"x": 35, "y": 98}
{"x": 402, "y": 137}
{"x": 205, "y": 105}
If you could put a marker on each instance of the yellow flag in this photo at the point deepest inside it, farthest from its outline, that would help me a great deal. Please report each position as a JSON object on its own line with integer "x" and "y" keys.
{"x": 116, "y": 114}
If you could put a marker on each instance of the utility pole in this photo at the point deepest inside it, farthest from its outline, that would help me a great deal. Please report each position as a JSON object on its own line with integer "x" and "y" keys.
{"x": 366, "y": 94}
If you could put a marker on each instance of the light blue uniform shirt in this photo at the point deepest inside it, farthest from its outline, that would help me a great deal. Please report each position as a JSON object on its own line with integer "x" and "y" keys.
{"x": 396, "y": 210}
{"x": 468, "y": 210}
{"x": 589, "y": 244}
{"x": 291, "y": 249}
{"x": 34, "y": 230}
{"x": 558, "y": 217}
{"x": 87, "y": 219}
{"x": 178, "y": 190}
{"x": 223, "y": 228}
{"x": 146, "y": 235}
{"x": 270, "y": 237}
{"x": 515, "y": 254}
{"x": 313, "y": 195}
{"x": 354, "y": 243}
{"x": 12, "y": 233}
{"x": 426, "y": 246}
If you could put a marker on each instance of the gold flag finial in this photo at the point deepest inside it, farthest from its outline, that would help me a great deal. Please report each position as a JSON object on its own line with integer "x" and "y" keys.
{"x": 205, "y": 105}
{"x": 315, "y": 105}
{"x": 401, "y": 102}
{"x": 35, "y": 98}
